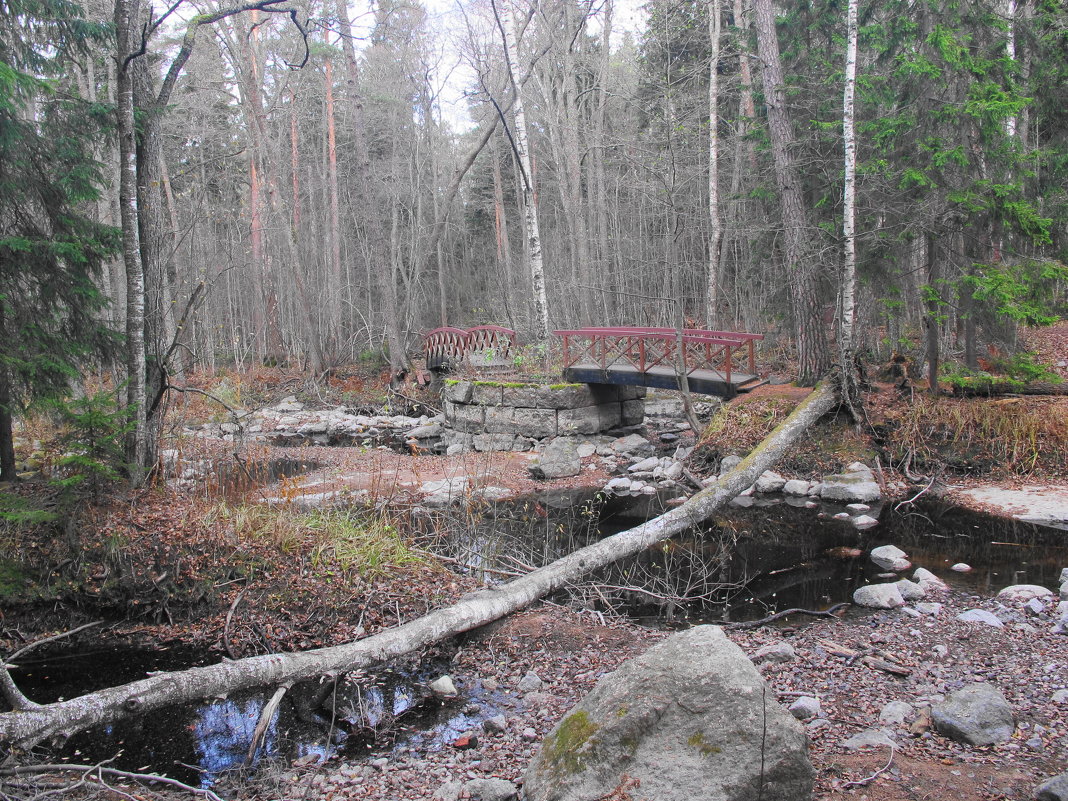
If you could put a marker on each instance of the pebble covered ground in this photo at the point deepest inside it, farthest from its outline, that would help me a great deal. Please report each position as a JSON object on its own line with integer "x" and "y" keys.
{"x": 542, "y": 661}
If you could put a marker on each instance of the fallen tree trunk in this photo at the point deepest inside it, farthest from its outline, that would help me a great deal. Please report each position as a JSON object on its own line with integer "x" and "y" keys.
{"x": 27, "y": 727}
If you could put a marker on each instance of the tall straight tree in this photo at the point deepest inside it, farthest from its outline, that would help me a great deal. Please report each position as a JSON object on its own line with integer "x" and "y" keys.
{"x": 800, "y": 267}
{"x": 51, "y": 253}
{"x": 715, "y": 228}
{"x": 847, "y": 312}
{"x": 507, "y": 25}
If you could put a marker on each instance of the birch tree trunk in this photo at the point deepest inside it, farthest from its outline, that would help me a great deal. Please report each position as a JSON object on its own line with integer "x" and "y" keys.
{"x": 847, "y": 307}
{"x": 31, "y": 723}
{"x": 521, "y": 144}
{"x": 127, "y": 41}
{"x": 715, "y": 230}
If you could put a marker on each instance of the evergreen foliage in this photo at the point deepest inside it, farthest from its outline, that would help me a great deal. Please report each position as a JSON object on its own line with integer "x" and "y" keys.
{"x": 51, "y": 250}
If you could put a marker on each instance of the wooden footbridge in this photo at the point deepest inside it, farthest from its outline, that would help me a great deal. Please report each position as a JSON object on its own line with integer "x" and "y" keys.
{"x": 721, "y": 363}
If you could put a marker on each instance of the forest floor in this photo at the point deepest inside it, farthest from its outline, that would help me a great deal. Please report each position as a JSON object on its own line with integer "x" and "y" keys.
{"x": 207, "y": 568}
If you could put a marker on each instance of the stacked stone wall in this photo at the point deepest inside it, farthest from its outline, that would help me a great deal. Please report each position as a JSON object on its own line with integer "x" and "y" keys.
{"x": 490, "y": 415}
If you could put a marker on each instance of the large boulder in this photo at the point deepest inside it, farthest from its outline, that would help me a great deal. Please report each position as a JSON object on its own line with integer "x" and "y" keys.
{"x": 1056, "y": 789}
{"x": 689, "y": 719}
{"x": 560, "y": 459}
{"x": 976, "y": 715}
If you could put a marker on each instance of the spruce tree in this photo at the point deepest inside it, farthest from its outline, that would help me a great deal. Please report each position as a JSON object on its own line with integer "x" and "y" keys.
{"x": 51, "y": 251}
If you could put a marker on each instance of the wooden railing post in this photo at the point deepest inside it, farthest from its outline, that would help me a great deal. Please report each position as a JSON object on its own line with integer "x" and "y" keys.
{"x": 752, "y": 359}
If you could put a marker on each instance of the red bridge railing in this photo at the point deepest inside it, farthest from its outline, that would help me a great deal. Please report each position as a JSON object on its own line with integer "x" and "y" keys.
{"x": 449, "y": 345}
{"x": 643, "y": 348}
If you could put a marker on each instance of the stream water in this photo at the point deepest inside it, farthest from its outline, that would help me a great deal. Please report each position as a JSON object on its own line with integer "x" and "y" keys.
{"x": 747, "y": 563}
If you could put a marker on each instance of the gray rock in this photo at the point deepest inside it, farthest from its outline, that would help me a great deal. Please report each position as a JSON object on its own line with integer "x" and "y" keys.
{"x": 1020, "y": 593}
{"x": 805, "y": 708}
{"x": 538, "y": 423}
{"x": 896, "y": 713}
{"x": 1035, "y": 607}
{"x": 795, "y": 487}
{"x": 681, "y": 720}
{"x": 980, "y": 616}
{"x": 929, "y": 608}
{"x": 850, "y": 487}
{"x": 644, "y": 465}
{"x": 496, "y": 724}
{"x": 858, "y": 507}
{"x": 878, "y": 596}
{"x": 769, "y": 482}
{"x": 618, "y": 485}
{"x": 865, "y": 521}
{"x": 426, "y": 432}
{"x": 491, "y": 790}
{"x": 674, "y": 472}
{"x": 586, "y": 448}
{"x": 928, "y": 580}
{"x": 975, "y": 715}
{"x": 1060, "y": 697}
{"x": 776, "y": 652}
{"x": 860, "y": 467}
{"x": 1056, "y": 789}
{"x": 889, "y": 557}
{"x": 443, "y": 492}
{"x": 962, "y": 567}
{"x": 443, "y": 687}
{"x": 1064, "y": 576}
{"x": 633, "y": 445}
{"x": 910, "y": 591}
{"x": 1064, "y": 591}
{"x": 560, "y": 459}
{"x": 869, "y": 738}
{"x": 450, "y": 791}
{"x": 728, "y": 463}
{"x": 530, "y": 683}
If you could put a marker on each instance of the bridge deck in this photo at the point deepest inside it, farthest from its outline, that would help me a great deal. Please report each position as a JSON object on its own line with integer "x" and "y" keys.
{"x": 705, "y": 382}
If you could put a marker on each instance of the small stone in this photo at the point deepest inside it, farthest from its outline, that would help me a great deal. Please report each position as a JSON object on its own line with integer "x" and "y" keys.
{"x": 529, "y": 734}
{"x": 870, "y": 738}
{"x": 977, "y": 714}
{"x": 769, "y": 481}
{"x": 450, "y": 791}
{"x": 896, "y": 713}
{"x": 890, "y": 557}
{"x": 858, "y": 507}
{"x": 805, "y": 708}
{"x": 961, "y": 567}
{"x": 444, "y": 687}
{"x": 496, "y": 724}
{"x": 776, "y": 652}
{"x": 728, "y": 463}
{"x": 928, "y": 608}
{"x": 910, "y": 590}
{"x": 878, "y": 596}
{"x": 865, "y": 521}
{"x": 796, "y": 487}
{"x": 530, "y": 683}
{"x": 980, "y": 616}
{"x": 928, "y": 580}
{"x": 1035, "y": 607}
{"x": 1060, "y": 697}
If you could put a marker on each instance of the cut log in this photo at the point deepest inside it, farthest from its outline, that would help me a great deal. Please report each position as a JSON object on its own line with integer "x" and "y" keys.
{"x": 27, "y": 727}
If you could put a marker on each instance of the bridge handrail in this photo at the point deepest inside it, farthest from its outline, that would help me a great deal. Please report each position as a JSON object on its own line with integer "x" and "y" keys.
{"x": 450, "y": 342}
{"x": 637, "y": 336}
{"x": 657, "y": 330}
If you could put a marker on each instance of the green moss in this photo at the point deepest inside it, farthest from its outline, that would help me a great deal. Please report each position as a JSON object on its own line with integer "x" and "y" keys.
{"x": 697, "y": 740}
{"x": 451, "y": 381}
{"x": 563, "y": 386}
{"x": 621, "y": 712}
{"x": 563, "y": 748}
{"x": 12, "y": 579}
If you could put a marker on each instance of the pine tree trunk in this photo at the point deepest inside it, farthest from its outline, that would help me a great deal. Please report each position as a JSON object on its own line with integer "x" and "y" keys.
{"x": 801, "y": 272}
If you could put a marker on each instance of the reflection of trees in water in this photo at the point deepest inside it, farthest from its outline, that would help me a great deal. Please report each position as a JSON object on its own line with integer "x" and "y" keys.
{"x": 746, "y": 562}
